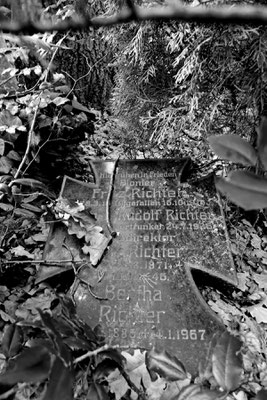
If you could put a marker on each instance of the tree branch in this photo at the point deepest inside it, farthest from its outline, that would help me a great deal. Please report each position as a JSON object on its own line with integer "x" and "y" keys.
{"x": 253, "y": 15}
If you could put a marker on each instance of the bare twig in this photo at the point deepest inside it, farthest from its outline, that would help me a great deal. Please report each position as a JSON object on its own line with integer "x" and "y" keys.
{"x": 93, "y": 353}
{"x": 30, "y": 134}
{"x": 95, "y": 296}
{"x": 256, "y": 15}
{"x": 102, "y": 151}
{"x": 79, "y": 278}
{"x": 90, "y": 67}
{"x": 45, "y": 262}
{"x": 24, "y": 93}
{"x": 29, "y": 141}
{"x": 109, "y": 199}
{"x": 49, "y": 67}
{"x": 45, "y": 78}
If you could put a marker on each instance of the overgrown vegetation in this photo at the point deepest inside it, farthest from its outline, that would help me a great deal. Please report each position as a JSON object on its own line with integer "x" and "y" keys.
{"x": 175, "y": 85}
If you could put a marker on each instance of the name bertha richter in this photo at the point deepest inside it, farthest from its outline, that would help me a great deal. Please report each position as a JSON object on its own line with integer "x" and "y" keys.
{"x": 167, "y": 233}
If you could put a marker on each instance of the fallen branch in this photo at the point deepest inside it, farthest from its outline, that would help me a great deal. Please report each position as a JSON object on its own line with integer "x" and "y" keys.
{"x": 93, "y": 353}
{"x": 45, "y": 262}
{"x": 252, "y": 15}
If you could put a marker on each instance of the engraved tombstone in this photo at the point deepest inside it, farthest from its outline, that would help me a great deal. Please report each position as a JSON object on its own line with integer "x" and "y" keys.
{"x": 167, "y": 234}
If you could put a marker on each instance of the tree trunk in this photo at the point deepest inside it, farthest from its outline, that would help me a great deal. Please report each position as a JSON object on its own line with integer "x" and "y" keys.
{"x": 87, "y": 61}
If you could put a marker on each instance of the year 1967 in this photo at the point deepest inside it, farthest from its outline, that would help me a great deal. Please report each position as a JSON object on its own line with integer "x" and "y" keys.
{"x": 186, "y": 334}
{"x": 170, "y": 334}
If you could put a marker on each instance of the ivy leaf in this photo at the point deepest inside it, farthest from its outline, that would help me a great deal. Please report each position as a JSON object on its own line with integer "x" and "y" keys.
{"x": 97, "y": 247}
{"x": 33, "y": 183}
{"x": 58, "y": 101}
{"x": 258, "y": 312}
{"x": 5, "y": 317}
{"x": 233, "y": 148}
{"x": 135, "y": 368}
{"x": 24, "y": 213}
{"x": 262, "y": 141}
{"x": 26, "y": 71}
{"x": 97, "y": 392}
{"x": 9, "y": 122}
{"x": 13, "y": 155}
{"x": 19, "y": 251}
{"x": 245, "y": 189}
{"x": 60, "y": 382}
{"x": 12, "y": 340}
{"x": 227, "y": 365}
{"x": 31, "y": 365}
{"x": 197, "y": 392}
{"x": 165, "y": 365}
{"x": 78, "y": 106}
{"x": 45, "y": 122}
{"x": 37, "y": 70}
{"x": 5, "y": 165}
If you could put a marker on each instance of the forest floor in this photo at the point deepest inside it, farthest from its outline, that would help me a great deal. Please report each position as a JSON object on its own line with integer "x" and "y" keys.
{"x": 24, "y": 230}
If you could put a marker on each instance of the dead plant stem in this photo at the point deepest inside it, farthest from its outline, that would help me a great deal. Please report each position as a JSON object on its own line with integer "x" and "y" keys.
{"x": 93, "y": 353}
{"x": 109, "y": 199}
{"x": 29, "y": 141}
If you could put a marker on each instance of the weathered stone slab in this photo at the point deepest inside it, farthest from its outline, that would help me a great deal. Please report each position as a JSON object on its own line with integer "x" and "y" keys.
{"x": 167, "y": 233}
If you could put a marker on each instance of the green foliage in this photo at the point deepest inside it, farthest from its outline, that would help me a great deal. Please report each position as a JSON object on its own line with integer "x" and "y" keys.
{"x": 197, "y": 392}
{"x": 173, "y": 81}
{"x": 81, "y": 223}
{"x": 176, "y": 83}
{"x": 51, "y": 359}
{"x": 233, "y": 148}
{"x": 143, "y": 83}
{"x": 165, "y": 365}
{"x": 227, "y": 365}
{"x": 12, "y": 340}
{"x": 244, "y": 188}
{"x": 60, "y": 383}
{"x": 31, "y": 365}
{"x": 41, "y": 125}
{"x": 262, "y": 142}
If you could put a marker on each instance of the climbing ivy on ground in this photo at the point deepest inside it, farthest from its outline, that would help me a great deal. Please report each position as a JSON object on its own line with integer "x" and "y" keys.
{"x": 140, "y": 375}
{"x": 47, "y": 351}
{"x": 41, "y": 126}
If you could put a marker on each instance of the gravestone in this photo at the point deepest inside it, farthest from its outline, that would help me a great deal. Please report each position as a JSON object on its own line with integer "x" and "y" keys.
{"x": 143, "y": 292}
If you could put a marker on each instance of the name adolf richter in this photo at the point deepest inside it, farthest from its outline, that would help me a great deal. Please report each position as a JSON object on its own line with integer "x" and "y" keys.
{"x": 171, "y": 215}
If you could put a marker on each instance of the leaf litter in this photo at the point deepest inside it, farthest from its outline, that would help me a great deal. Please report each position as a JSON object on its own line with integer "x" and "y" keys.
{"x": 250, "y": 252}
